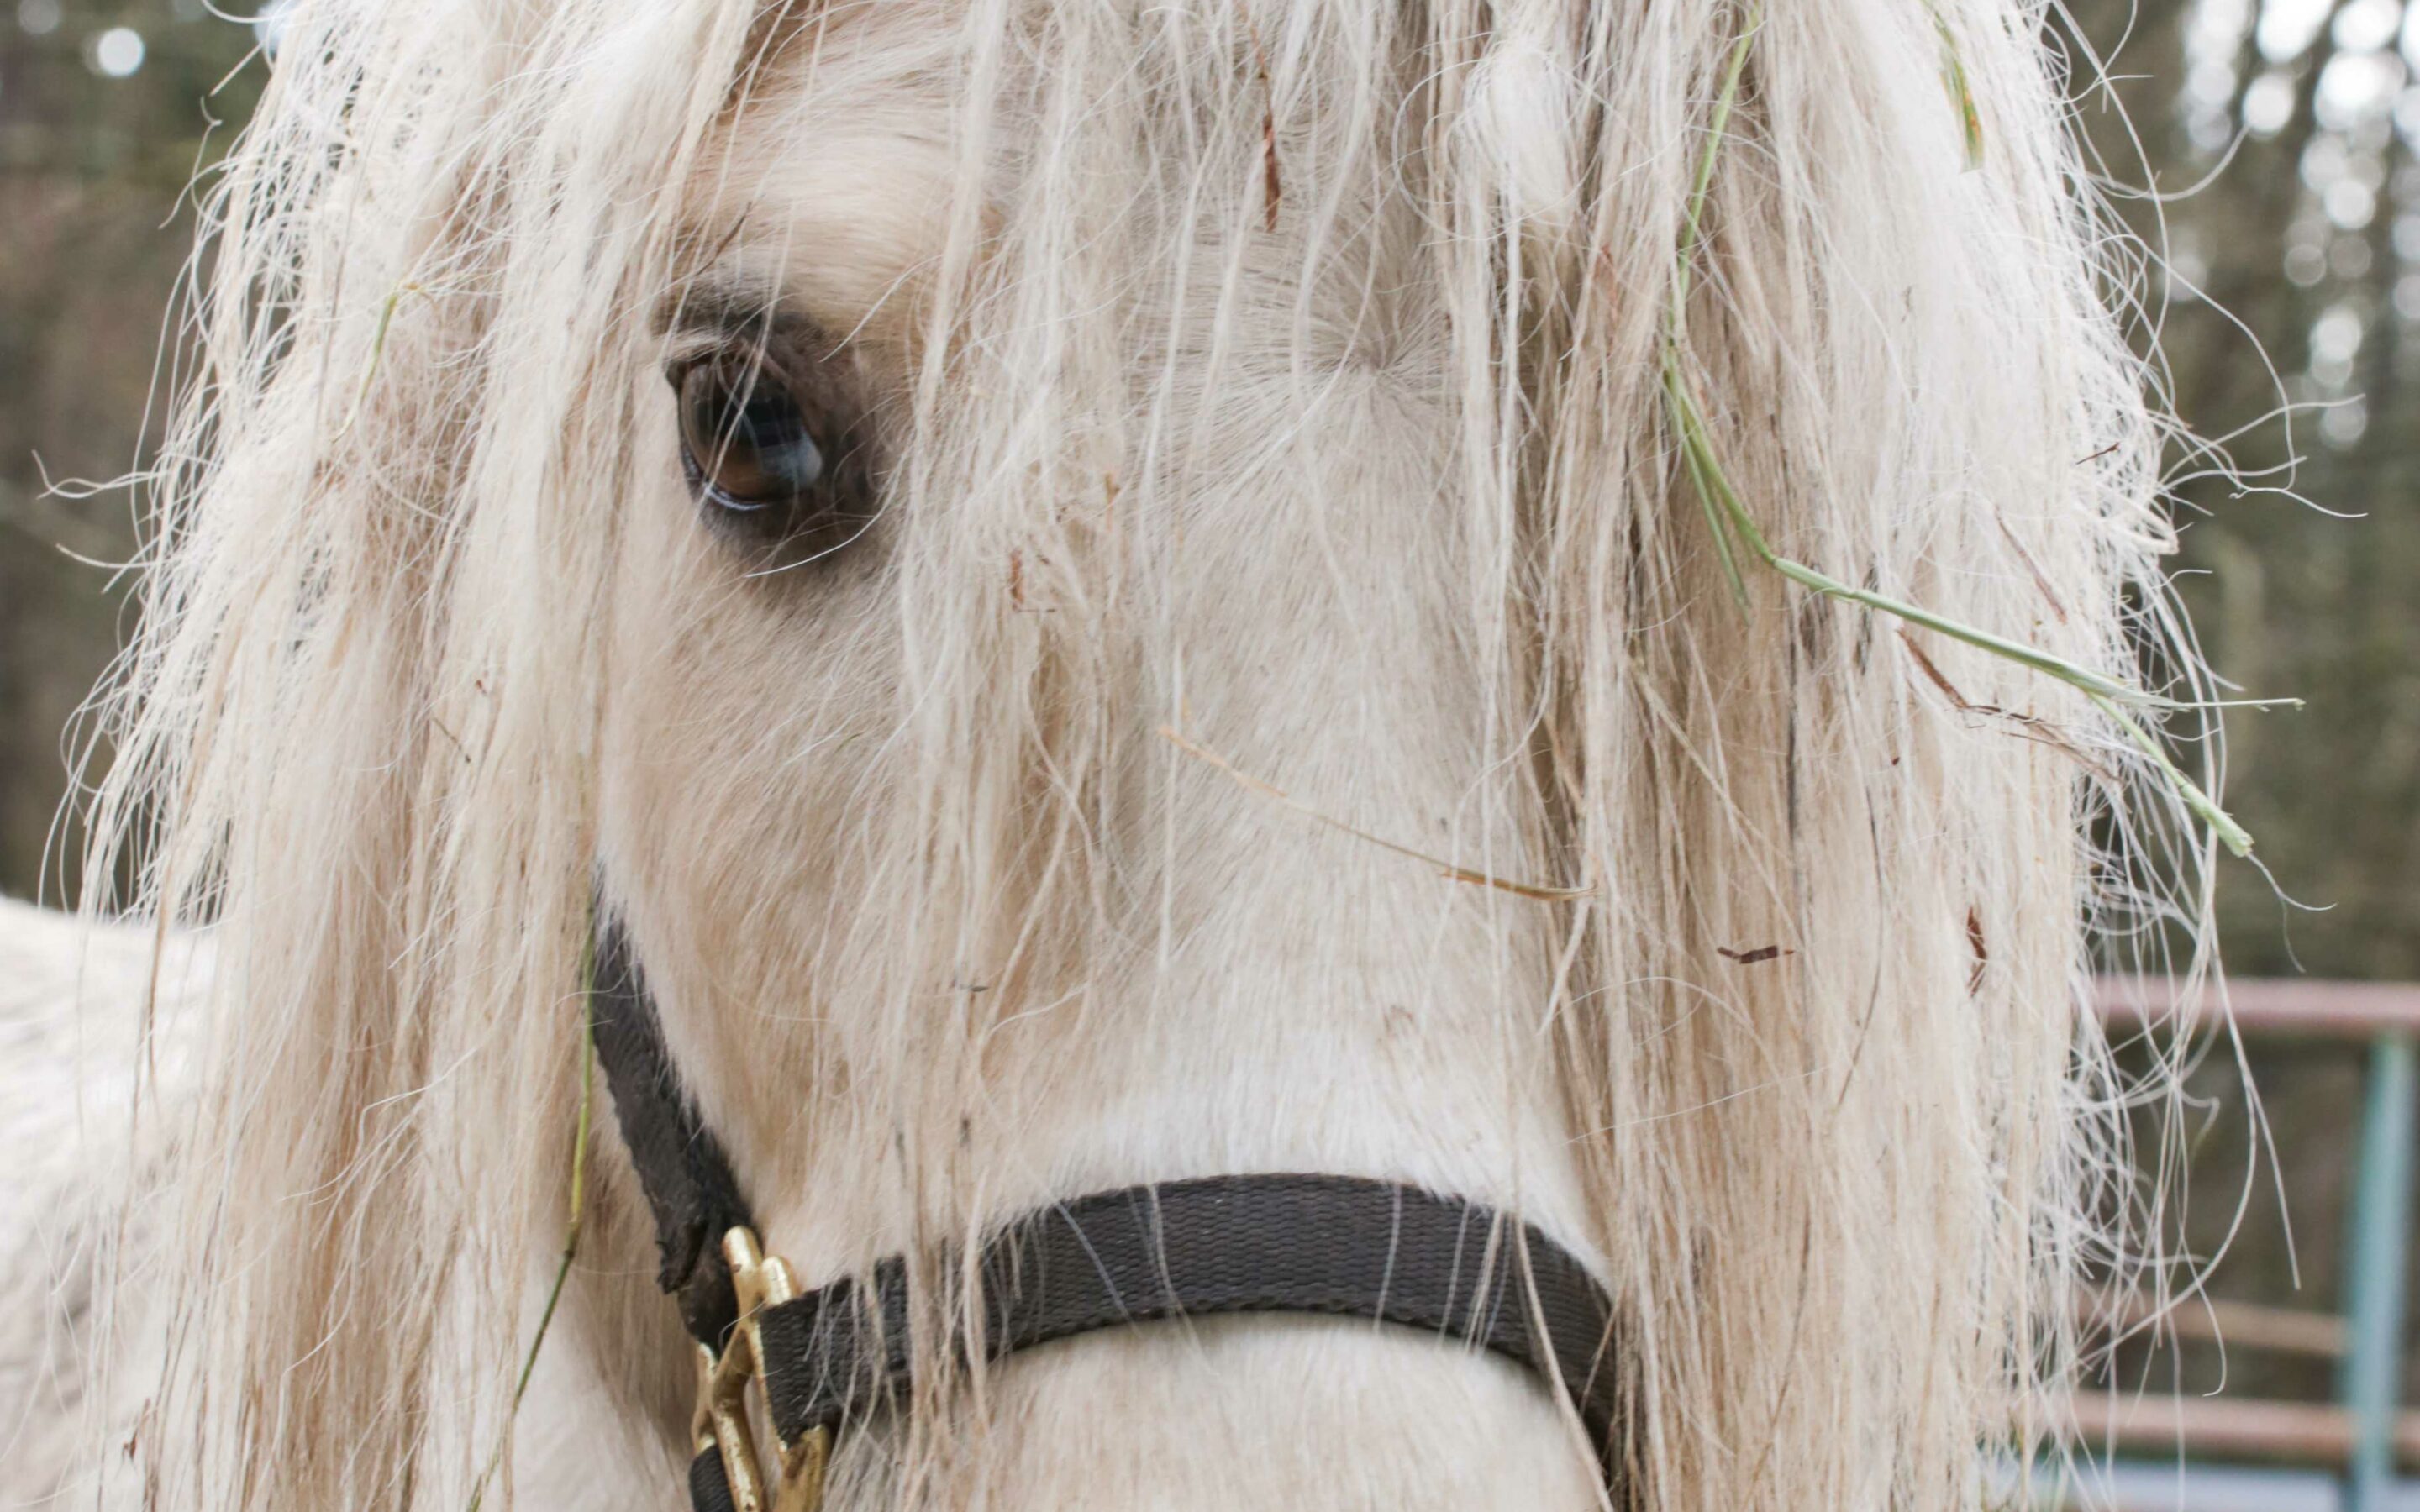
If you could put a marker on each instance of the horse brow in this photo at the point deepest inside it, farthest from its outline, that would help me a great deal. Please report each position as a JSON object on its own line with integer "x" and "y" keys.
{"x": 723, "y": 303}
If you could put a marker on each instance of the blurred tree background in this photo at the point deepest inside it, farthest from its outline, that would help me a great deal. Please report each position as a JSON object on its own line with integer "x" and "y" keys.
{"x": 2266, "y": 147}
{"x": 2263, "y": 148}
{"x": 107, "y": 112}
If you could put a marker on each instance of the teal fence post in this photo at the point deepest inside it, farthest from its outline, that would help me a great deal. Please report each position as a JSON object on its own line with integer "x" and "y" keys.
{"x": 2375, "y": 1271}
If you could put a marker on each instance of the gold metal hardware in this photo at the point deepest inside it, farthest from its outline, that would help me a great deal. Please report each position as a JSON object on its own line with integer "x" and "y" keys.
{"x": 721, "y": 1420}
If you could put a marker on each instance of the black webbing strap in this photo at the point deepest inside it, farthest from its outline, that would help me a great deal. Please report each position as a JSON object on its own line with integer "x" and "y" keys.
{"x": 709, "y": 1487}
{"x": 688, "y": 1180}
{"x": 1343, "y": 1247}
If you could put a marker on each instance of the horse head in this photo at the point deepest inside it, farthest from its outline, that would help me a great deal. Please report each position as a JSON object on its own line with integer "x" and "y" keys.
{"x": 1053, "y": 600}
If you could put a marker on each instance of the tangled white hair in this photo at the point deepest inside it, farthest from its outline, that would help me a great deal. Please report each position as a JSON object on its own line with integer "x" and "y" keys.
{"x": 1818, "y": 886}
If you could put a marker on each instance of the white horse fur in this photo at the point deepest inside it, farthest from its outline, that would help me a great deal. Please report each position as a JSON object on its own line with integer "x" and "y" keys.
{"x": 81, "y": 1152}
{"x": 1263, "y": 387}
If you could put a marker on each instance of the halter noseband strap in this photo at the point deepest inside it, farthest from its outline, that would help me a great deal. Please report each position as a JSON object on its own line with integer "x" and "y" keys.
{"x": 1334, "y": 1245}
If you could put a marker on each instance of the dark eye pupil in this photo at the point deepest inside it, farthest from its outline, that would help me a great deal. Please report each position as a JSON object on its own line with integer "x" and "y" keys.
{"x": 746, "y": 437}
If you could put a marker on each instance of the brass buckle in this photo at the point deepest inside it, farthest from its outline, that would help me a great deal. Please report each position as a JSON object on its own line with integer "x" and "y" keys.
{"x": 720, "y": 1419}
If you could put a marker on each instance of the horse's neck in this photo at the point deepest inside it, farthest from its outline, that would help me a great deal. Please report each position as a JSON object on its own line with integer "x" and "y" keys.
{"x": 76, "y": 1005}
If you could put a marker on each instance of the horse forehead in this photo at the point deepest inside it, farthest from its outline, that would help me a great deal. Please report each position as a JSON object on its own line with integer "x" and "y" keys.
{"x": 830, "y": 176}
{"x": 834, "y": 174}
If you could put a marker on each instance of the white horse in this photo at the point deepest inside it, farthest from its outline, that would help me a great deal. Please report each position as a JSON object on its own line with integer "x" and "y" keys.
{"x": 1120, "y": 593}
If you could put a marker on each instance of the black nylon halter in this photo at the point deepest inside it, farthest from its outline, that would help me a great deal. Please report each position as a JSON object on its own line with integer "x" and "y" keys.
{"x": 1264, "y": 1242}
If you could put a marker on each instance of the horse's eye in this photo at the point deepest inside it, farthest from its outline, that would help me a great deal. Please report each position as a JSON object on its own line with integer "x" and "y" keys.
{"x": 749, "y": 447}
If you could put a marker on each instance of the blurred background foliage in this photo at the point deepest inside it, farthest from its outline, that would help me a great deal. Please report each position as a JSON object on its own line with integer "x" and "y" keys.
{"x": 2263, "y": 148}
{"x": 2266, "y": 147}
{"x": 107, "y": 111}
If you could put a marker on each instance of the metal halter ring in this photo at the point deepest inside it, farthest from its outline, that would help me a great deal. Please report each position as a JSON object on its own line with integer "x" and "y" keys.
{"x": 720, "y": 1419}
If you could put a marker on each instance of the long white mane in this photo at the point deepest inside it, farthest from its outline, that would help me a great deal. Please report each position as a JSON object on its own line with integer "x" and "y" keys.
{"x": 1810, "y": 1002}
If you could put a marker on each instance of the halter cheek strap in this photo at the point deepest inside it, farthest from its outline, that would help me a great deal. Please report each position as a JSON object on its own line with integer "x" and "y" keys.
{"x": 688, "y": 1180}
{"x": 1275, "y": 1243}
